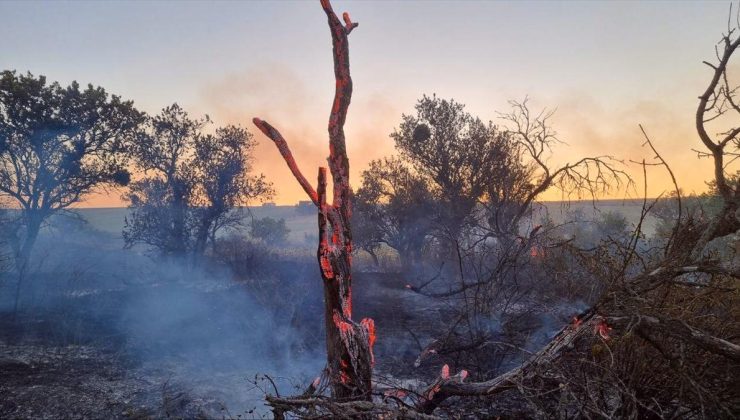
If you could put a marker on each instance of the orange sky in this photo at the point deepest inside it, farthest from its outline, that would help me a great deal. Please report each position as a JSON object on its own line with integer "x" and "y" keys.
{"x": 605, "y": 66}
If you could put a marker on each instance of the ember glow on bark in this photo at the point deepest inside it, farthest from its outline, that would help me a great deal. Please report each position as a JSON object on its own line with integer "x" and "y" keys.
{"x": 536, "y": 252}
{"x": 348, "y": 344}
{"x": 603, "y": 329}
{"x": 445, "y": 372}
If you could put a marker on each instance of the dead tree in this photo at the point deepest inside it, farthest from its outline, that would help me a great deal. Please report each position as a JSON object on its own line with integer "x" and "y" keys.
{"x": 719, "y": 103}
{"x": 679, "y": 304}
{"x": 348, "y": 344}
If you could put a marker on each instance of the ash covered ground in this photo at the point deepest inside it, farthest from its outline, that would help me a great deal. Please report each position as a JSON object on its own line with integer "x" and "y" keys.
{"x": 104, "y": 332}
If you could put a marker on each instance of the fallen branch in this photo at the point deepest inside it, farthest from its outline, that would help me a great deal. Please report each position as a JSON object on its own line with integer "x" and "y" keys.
{"x": 448, "y": 387}
{"x": 680, "y": 329}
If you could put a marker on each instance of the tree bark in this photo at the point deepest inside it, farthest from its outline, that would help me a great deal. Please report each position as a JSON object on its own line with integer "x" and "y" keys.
{"x": 348, "y": 344}
{"x": 22, "y": 257}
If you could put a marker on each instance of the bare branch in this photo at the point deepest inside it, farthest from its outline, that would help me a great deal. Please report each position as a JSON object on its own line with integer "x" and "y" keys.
{"x": 282, "y": 146}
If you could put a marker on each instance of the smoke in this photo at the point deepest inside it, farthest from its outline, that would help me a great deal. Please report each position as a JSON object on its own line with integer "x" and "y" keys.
{"x": 196, "y": 328}
{"x": 300, "y": 111}
{"x": 208, "y": 331}
{"x": 592, "y": 127}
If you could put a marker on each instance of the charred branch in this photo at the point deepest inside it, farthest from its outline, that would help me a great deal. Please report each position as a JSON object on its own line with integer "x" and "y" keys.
{"x": 349, "y": 344}
{"x": 448, "y": 387}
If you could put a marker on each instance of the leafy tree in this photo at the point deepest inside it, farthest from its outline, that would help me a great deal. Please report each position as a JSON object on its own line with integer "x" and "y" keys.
{"x": 7, "y": 223}
{"x": 506, "y": 191}
{"x": 195, "y": 183}
{"x": 468, "y": 163}
{"x": 269, "y": 230}
{"x": 392, "y": 207}
{"x": 692, "y": 206}
{"x": 459, "y": 154}
{"x": 612, "y": 224}
{"x": 57, "y": 144}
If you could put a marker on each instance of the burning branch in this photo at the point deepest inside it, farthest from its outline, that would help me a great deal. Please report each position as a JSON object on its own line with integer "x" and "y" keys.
{"x": 282, "y": 146}
{"x": 348, "y": 344}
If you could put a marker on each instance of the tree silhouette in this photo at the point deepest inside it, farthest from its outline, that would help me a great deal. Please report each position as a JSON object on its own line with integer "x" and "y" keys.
{"x": 458, "y": 153}
{"x": 195, "y": 183}
{"x": 57, "y": 144}
{"x": 392, "y": 207}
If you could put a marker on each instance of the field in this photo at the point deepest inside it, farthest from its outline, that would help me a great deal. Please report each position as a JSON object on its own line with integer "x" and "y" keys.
{"x": 108, "y": 332}
{"x": 302, "y": 222}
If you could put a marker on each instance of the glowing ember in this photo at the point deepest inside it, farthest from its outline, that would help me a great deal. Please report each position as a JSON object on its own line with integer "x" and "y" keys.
{"x": 432, "y": 391}
{"x": 347, "y": 304}
{"x": 369, "y": 325}
{"x": 536, "y": 252}
{"x": 395, "y": 393}
{"x": 324, "y": 260}
{"x": 445, "y": 372}
{"x": 603, "y": 329}
{"x": 344, "y": 327}
{"x": 343, "y": 375}
{"x": 577, "y": 322}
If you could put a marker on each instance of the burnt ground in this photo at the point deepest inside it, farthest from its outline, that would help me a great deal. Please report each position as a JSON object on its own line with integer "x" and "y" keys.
{"x": 85, "y": 382}
{"x": 76, "y": 350}
{"x": 82, "y": 368}
{"x": 87, "y": 350}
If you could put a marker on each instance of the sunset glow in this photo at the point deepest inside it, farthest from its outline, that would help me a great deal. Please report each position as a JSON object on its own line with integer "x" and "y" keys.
{"x": 605, "y": 67}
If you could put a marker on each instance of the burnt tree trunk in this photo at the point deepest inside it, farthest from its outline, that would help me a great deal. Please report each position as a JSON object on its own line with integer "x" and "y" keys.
{"x": 348, "y": 344}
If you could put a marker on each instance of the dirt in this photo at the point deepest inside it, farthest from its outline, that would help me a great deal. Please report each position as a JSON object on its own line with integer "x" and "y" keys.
{"x": 38, "y": 381}
{"x": 70, "y": 361}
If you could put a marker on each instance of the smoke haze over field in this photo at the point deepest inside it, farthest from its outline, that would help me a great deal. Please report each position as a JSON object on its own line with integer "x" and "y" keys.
{"x": 192, "y": 328}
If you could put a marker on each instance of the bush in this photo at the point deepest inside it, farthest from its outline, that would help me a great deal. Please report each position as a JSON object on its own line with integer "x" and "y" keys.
{"x": 269, "y": 230}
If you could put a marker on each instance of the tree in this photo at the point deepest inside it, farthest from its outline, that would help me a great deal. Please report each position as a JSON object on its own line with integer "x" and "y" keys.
{"x": 498, "y": 265}
{"x": 269, "y": 230}
{"x": 57, "y": 144}
{"x": 671, "y": 311}
{"x": 348, "y": 344}
{"x": 459, "y": 154}
{"x": 7, "y": 223}
{"x": 392, "y": 208}
{"x": 195, "y": 183}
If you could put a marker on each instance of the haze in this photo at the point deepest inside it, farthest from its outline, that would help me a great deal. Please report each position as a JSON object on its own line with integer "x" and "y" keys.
{"x": 605, "y": 66}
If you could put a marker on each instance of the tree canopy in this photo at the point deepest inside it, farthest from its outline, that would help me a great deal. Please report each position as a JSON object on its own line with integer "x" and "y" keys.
{"x": 57, "y": 144}
{"x": 195, "y": 182}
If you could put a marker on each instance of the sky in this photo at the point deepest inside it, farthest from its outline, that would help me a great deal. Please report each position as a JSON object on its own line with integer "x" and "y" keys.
{"x": 605, "y": 67}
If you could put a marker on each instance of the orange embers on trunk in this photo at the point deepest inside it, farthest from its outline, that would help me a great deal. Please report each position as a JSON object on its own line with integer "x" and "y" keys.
{"x": 603, "y": 329}
{"x": 348, "y": 344}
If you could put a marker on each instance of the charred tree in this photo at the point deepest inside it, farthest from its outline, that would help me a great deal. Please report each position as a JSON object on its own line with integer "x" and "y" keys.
{"x": 348, "y": 344}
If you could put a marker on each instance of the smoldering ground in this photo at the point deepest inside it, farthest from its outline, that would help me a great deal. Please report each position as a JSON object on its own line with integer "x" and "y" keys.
{"x": 104, "y": 331}
{"x": 167, "y": 325}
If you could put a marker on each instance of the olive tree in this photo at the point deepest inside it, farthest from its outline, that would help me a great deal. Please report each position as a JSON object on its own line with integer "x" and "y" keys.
{"x": 392, "y": 208}
{"x": 57, "y": 145}
{"x": 194, "y": 183}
